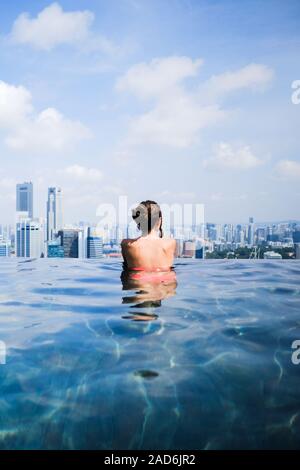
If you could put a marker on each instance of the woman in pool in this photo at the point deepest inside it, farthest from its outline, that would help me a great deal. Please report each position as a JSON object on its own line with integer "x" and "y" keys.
{"x": 148, "y": 262}
{"x": 151, "y": 252}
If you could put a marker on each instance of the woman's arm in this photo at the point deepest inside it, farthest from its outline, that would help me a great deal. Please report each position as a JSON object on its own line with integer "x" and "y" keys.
{"x": 123, "y": 250}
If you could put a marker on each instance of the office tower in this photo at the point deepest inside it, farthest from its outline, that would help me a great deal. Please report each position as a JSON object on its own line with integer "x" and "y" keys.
{"x": 200, "y": 249}
{"x": 212, "y": 232}
{"x": 274, "y": 237}
{"x": 200, "y": 230}
{"x": 261, "y": 235}
{"x": 4, "y": 248}
{"x": 189, "y": 248}
{"x": 69, "y": 242}
{"x": 82, "y": 243}
{"x": 54, "y": 249}
{"x": 237, "y": 234}
{"x": 251, "y": 232}
{"x": 29, "y": 239}
{"x": 5, "y": 232}
{"x": 269, "y": 233}
{"x": 24, "y": 198}
{"x": 242, "y": 237}
{"x": 228, "y": 233}
{"x": 94, "y": 243}
{"x": 54, "y": 212}
{"x": 296, "y": 236}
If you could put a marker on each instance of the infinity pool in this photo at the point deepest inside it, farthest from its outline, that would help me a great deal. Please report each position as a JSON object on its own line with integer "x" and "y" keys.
{"x": 204, "y": 362}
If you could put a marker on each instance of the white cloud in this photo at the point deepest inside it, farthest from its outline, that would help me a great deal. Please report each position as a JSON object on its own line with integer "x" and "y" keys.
{"x": 83, "y": 174}
{"x": 228, "y": 156}
{"x": 159, "y": 77}
{"x": 176, "y": 114}
{"x": 15, "y": 104}
{"x": 28, "y": 130}
{"x": 53, "y": 26}
{"x": 288, "y": 169}
{"x": 253, "y": 76}
{"x": 174, "y": 122}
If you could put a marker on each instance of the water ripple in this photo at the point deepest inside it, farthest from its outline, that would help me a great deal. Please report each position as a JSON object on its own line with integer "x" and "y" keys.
{"x": 94, "y": 363}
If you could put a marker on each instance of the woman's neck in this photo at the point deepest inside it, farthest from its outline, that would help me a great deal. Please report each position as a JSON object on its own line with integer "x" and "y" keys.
{"x": 152, "y": 234}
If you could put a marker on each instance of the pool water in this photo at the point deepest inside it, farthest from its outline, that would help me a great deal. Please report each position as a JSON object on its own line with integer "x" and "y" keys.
{"x": 201, "y": 362}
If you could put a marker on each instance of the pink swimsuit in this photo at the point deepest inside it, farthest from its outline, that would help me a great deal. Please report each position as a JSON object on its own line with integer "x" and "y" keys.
{"x": 155, "y": 275}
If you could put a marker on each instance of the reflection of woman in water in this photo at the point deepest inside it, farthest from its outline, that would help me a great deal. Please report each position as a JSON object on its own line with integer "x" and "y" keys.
{"x": 148, "y": 260}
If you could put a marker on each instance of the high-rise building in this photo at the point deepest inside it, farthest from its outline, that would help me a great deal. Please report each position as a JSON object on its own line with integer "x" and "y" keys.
{"x": 212, "y": 232}
{"x": 94, "y": 243}
{"x": 200, "y": 249}
{"x": 261, "y": 235}
{"x": 24, "y": 198}
{"x": 54, "y": 249}
{"x": 69, "y": 241}
{"x": 296, "y": 236}
{"x": 189, "y": 248}
{"x": 54, "y": 212}
{"x": 29, "y": 239}
{"x": 4, "y": 248}
{"x": 250, "y": 237}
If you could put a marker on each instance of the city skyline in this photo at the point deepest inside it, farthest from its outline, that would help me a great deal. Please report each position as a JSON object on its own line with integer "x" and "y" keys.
{"x": 49, "y": 236}
{"x": 102, "y": 107}
{"x": 54, "y": 214}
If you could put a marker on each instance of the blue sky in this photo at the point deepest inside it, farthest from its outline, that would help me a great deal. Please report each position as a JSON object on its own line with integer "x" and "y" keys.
{"x": 176, "y": 100}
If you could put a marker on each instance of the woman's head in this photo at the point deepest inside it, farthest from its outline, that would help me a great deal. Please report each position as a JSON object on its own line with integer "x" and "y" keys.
{"x": 148, "y": 217}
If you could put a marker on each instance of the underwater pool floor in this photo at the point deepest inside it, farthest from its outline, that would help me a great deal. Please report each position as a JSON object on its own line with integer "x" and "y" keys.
{"x": 96, "y": 362}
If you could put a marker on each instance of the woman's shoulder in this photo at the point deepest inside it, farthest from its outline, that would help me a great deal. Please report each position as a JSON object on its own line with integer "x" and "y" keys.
{"x": 128, "y": 241}
{"x": 169, "y": 244}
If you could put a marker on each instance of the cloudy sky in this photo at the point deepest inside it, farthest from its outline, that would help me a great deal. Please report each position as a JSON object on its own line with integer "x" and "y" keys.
{"x": 176, "y": 100}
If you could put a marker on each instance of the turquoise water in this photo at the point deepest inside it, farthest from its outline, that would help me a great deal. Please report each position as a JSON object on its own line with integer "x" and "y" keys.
{"x": 94, "y": 363}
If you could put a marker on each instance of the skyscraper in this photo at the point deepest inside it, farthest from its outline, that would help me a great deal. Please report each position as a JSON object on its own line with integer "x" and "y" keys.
{"x": 24, "y": 199}
{"x": 4, "y": 248}
{"x": 200, "y": 249}
{"x": 94, "y": 244}
{"x": 189, "y": 248}
{"x": 55, "y": 250}
{"x": 70, "y": 242}
{"x": 54, "y": 212}
{"x": 251, "y": 232}
{"x": 29, "y": 239}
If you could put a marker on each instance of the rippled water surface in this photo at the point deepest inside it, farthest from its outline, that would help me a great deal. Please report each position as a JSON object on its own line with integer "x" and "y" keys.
{"x": 201, "y": 363}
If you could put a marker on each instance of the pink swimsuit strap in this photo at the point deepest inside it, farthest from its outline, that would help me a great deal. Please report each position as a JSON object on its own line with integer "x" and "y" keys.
{"x": 153, "y": 270}
{"x": 154, "y": 276}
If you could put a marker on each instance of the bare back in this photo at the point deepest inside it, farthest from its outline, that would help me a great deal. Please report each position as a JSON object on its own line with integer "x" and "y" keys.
{"x": 149, "y": 253}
